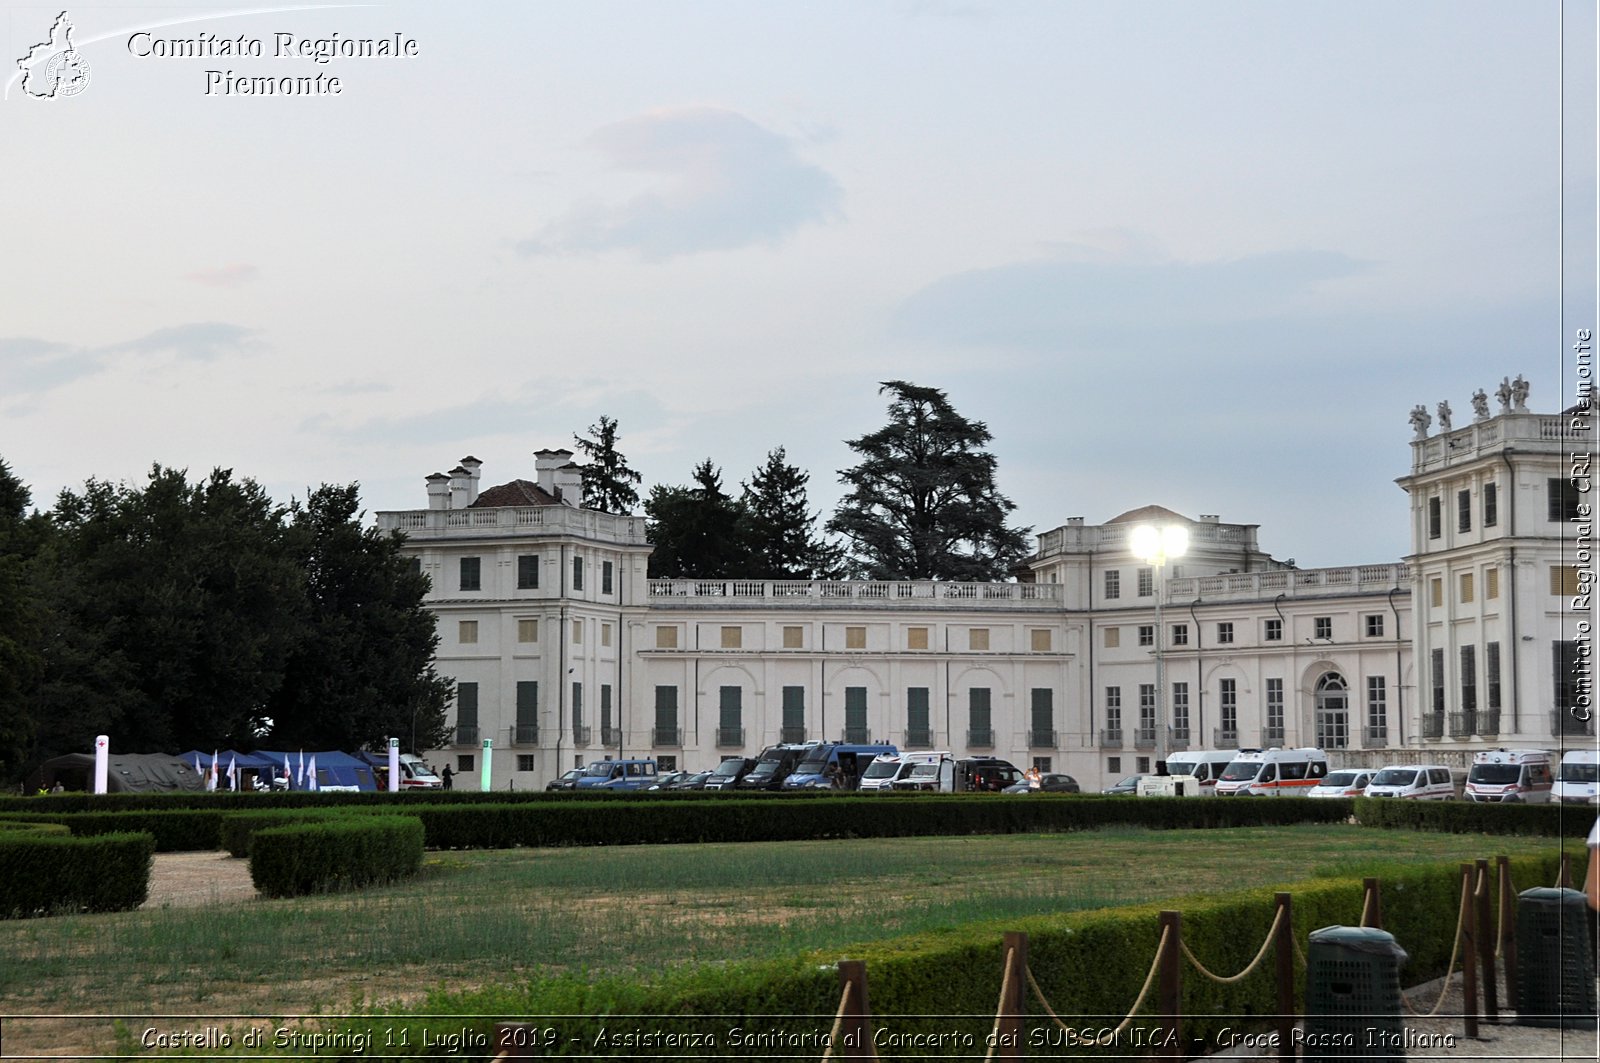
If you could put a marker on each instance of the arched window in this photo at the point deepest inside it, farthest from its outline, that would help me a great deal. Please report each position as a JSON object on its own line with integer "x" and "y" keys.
{"x": 1332, "y": 712}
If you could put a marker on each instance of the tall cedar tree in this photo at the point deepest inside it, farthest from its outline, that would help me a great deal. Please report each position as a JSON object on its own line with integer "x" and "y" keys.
{"x": 363, "y": 670}
{"x": 608, "y": 483}
{"x": 698, "y": 532}
{"x": 784, "y": 543}
{"x": 21, "y": 634}
{"x": 923, "y": 502}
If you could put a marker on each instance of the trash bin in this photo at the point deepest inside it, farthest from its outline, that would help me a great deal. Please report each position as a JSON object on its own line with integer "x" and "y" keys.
{"x": 1353, "y": 995}
{"x": 1555, "y": 968}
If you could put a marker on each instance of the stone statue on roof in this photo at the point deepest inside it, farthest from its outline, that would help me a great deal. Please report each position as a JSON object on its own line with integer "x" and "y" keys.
{"x": 1444, "y": 416}
{"x": 1503, "y": 393}
{"x": 1480, "y": 405}
{"x": 1519, "y": 394}
{"x": 1420, "y": 420}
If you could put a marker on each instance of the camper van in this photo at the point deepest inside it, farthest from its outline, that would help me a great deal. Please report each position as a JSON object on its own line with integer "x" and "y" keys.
{"x": 1192, "y": 773}
{"x": 1578, "y": 778}
{"x": 889, "y": 768}
{"x": 1508, "y": 775}
{"x": 834, "y": 765}
{"x": 1273, "y": 773}
{"x": 1414, "y": 782}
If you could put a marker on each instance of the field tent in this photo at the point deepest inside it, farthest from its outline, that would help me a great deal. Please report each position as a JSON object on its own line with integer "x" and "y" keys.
{"x": 127, "y": 773}
{"x": 247, "y": 765}
{"x": 335, "y": 770}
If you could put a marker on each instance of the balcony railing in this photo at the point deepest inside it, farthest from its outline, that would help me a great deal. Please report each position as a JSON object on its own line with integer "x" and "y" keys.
{"x": 525, "y": 734}
{"x": 499, "y": 521}
{"x": 856, "y": 593}
{"x": 857, "y": 735}
{"x": 1562, "y": 722}
{"x": 1273, "y": 583}
{"x": 730, "y": 736}
{"x": 1041, "y": 740}
{"x": 1489, "y": 723}
{"x": 981, "y": 739}
{"x": 1463, "y": 724}
{"x": 610, "y": 736}
{"x": 1375, "y": 736}
{"x": 1226, "y": 737}
{"x": 1271, "y": 736}
{"x": 1144, "y": 738}
{"x": 580, "y": 734}
{"x": 1177, "y": 738}
{"x": 666, "y": 736}
{"x": 467, "y": 735}
{"x": 1433, "y": 725}
{"x": 792, "y": 735}
{"x": 919, "y": 739}
{"x": 1111, "y": 737}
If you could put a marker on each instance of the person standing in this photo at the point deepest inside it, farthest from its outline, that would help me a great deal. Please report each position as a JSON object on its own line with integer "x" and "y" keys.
{"x": 448, "y": 776}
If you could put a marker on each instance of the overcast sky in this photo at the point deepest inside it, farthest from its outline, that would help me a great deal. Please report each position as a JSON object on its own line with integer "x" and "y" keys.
{"x": 1205, "y": 255}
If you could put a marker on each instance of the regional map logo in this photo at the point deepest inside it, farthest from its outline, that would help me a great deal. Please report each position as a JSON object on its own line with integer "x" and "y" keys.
{"x": 54, "y": 69}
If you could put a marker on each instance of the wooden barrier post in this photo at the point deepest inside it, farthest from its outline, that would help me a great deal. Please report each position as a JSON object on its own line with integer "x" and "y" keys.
{"x": 1374, "y": 898}
{"x": 1015, "y": 979}
{"x": 1564, "y": 879}
{"x": 1469, "y": 958}
{"x": 1508, "y": 930}
{"x": 1487, "y": 940}
{"x": 855, "y": 1032}
{"x": 1283, "y": 948}
{"x": 1171, "y": 986}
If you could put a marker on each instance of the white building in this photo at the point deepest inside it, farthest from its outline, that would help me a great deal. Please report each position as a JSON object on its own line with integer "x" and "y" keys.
{"x": 565, "y": 652}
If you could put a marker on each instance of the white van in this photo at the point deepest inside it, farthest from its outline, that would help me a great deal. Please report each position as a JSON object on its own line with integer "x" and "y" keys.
{"x": 1415, "y": 782}
{"x": 1510, "y": 775}
{"x": 1273, "y": 773}
{"x": 888, "y": 768}
{"x": 1578, "y": 778}
{"x": 1346, "y": 782}
{"x": 1195, "y": 770}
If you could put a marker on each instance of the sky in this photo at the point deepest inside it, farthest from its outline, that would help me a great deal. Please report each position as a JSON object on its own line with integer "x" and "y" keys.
{"x": 1206, "y": 255}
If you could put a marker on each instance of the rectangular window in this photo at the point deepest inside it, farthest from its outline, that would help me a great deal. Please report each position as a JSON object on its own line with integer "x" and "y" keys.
{"x": 1275, "y": 706}
{"x": 1433, "y": 518}
{"x": 1042, "y": 708}
{"x": 1491, "y": 505}
{"x": 472, "y": 573}
{"x": 525, "y": 761}
{"x": 666, "y": 638}
{"x": 528, "y": 630}
{"x": 916, "y": 638}
{"x": 577, "y": 573}
{"x": 1466, "y": 587}
{"x": 1113, "y": 637}
{"x": 1491, "y": 584}
{"x": 1113, "y": 708}
{"x": 1147, "y": 635}
{"x": 666, "y": 729}
{"x": 1437, "y": 663}
{"x": 1374, "y": 625}
{"x": 919, "y": 730}
{"x": 794, "y": 714}
{"x": 1436, "y": 592}
{"x": 855, "y": 714}
{"x": 1113, "y": 583}
{"x": 605, "y": 634}
{"x": 1563, "y": 579}
{"x": 978, "y": 638}
{"x": 577, "y": 630}
{"x": 466, "y": 714}
{"x": 855, "y": 638}
{"x": 1040, "y": 639}
{"x": 577, "y": 716}
{"x": 1272, "y": 630}
{"x": 467, "y": 632}
{"x": 1491, "y": 673}
{"x": 1147, "y": 582}
{"x": 732, "y": 637}
{"x": 528, "y": 572}
{"x": 1180, "y": 710}
{"x": 1114, "y": 766}
{"x": 1469, "y": 678}
{"x": 1377, "y": 708}
{"x": 980, "y": 725}
{"x": 1562, "y": 497}
{"x": 1180, "y": 634}
{"x": 730, "y": 712}
{"x": 1229, "y": 700}
{"x": 527, "y": 711}
{"x": 1147, "y": 707}
{"x": 1322, "y": 627}
{"x": 1565, "y": 664}
{"x": 1463, "y": 511}
{"x": 606, "y": 570}
{"x": 1225, "y": 632}
{"x": 794, "y": 638}
{"x": 465, "y": 762}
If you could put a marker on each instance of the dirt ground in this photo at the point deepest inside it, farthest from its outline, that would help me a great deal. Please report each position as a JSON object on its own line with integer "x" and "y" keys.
{"x": 189, "y": 880}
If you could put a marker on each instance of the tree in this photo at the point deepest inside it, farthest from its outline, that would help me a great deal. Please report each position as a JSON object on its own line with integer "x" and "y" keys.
{"x": 698, "y": 532}
{"x": 20, "y": 619}
{"x": 363, "y": 668}
{"x": 923, "y": 502}
{"x": 608, "y": 483}
{"x": 783, "y": 539}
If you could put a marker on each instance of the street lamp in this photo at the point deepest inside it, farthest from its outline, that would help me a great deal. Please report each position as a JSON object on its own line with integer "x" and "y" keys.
{"x": 1155, "y": 546}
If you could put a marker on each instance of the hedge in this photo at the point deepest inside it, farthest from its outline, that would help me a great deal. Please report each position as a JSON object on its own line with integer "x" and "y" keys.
{"x": 334, "y": 854}
{"x": 47, "y": 874}
{"x": 1089, "y": 966}
{"x": 1475, "y": 817}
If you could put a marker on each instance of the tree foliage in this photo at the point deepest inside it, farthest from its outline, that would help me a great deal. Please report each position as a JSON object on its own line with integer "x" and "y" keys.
{"x": 608, "y": 482}
{"x": 923, "y": 502}
{"x": 782, "y": 530}
{"x": 20, "y": 615}
{"x": 699, "y": 532}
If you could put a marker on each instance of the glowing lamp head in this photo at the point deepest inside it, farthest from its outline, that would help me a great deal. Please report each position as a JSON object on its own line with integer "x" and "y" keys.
{"x": 1157, "y": 545}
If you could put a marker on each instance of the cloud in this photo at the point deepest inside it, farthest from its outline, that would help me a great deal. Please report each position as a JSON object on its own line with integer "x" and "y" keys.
{"x": 33, "y": 366}
{"x": 231, "y": 276}
{"x": 1086, "y": 296}
{"x": 726, "y": 183}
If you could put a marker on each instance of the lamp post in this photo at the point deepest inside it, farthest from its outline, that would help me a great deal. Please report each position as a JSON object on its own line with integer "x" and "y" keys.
{"x": 1155, "y": 546}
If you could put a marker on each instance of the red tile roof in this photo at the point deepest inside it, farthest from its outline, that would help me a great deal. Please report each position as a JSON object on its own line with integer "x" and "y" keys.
{"x": 515, "y": 493}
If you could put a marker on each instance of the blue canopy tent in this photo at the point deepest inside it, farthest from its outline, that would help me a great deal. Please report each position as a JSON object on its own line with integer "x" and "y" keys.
{"x": 334, "y": 770}
{"x": 247, "y": 765}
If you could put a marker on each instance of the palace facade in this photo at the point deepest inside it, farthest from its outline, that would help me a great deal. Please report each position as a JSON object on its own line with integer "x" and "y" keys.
{"x": 1094, "y": 663}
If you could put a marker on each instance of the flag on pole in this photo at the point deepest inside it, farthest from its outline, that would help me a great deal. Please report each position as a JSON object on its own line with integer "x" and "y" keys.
{"x": 197, "y": 770}
{"x": 300, "y": 775}
{"x": 212, "y": 783}
{"x": 311, "y": 773}
{"x": 233, "y": 772}
{"x": 288, "y": 772}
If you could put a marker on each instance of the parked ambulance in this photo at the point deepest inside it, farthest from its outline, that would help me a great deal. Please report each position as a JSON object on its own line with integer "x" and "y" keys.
{"x": 1510, "y": 775}
{"x": 1272, "y": 773}
{"x": 1578, "y": 778}
{"x": 888, "y": 768}
{"x": 1413, "y": 782}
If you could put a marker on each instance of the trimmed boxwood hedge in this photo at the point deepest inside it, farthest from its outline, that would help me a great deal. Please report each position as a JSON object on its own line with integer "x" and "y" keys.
{"x": 1474, "y": 817}
{"x": 42, "y": 873}
{"x": 333, "y": 854}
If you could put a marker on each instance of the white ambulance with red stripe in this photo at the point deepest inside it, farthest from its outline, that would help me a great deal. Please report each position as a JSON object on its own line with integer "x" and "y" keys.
{"x": 1522, "y": 775}
{"x": 1273, "y": 773}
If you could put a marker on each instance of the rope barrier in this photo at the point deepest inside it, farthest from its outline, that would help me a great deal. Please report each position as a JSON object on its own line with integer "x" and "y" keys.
{"x": 1000, "y": 1009}
{"x": 838, "y": 1022}
{"x": 1265, "y": 945}
{"x": 1299, "y": 953}
{"x": 1366, "y": 908}
{"x": 1144, "y": 991}
{"x": 1455, "y": 948}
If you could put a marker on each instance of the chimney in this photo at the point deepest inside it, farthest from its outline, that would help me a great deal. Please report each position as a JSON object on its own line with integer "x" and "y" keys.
{"x": 460, "y": 485}
{"x": 1074, "y": 522}
{"x": 546, "y": 462}
{"x": 438, "y": 491}
{"x": 1209, "y": 518}
{"x": 472, "y": 465}
{"x": 569, "y": 484}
